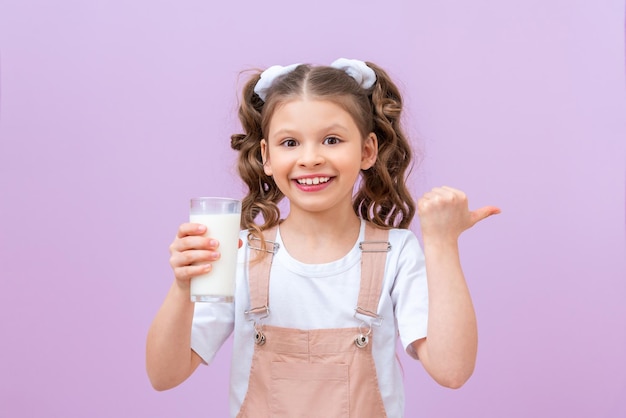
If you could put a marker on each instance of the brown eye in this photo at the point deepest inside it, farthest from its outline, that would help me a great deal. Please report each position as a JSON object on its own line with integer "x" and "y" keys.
{"x": 332, "y": 140}
{"x": 289, "y": 143}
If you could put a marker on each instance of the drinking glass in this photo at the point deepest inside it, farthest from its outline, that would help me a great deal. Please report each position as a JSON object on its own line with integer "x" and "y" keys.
{"x": 222, "y": 217}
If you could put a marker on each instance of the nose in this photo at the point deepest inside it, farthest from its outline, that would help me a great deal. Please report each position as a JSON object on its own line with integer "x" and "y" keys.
{"x": 310, "y": 156}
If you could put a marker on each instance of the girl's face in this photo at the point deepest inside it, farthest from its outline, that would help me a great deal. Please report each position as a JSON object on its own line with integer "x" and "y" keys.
{"x": 315, "y": 151}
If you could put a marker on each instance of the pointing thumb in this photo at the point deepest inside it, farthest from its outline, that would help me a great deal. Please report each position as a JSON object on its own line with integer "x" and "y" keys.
{"x": 482, "y": 213}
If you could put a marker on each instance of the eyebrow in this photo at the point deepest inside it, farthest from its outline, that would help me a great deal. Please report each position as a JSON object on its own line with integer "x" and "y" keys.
{"x": 331, "y": 127}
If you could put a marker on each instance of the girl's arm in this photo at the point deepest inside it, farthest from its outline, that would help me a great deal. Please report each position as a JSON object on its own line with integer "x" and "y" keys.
{"x": 449, "y": 352}
{"x": 169, "y": 357}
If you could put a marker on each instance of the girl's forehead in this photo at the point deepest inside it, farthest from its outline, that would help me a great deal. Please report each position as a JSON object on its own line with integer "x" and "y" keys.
{"x": 307, "y": 109}
{"x": 304, "y": 101}
{"x": 317, "y": 104}
{"x": 314, "y": 106}
{"x": 310, "y": 115}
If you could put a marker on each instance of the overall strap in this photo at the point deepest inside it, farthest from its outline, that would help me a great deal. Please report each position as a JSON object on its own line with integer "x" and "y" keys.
{"x": 259, "y": 270}
{"x": 374, "y": 249}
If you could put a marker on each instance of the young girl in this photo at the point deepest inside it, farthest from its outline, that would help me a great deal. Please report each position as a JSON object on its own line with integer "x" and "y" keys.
{"x": 323, "y": 294}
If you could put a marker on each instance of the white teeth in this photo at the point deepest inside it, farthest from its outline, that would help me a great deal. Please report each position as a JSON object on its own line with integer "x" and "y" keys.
{"x": 313, "y": 180}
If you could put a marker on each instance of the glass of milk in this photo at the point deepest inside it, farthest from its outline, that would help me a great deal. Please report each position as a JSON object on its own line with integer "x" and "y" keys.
{"x": 222, "y": 217}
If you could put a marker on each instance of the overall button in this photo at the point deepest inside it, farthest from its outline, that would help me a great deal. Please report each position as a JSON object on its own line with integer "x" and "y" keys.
{"x": 361, "y": 340}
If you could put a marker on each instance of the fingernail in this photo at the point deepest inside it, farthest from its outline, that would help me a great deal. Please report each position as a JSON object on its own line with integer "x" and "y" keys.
{"x": 208, "y": 267}
{"x": 215, "y": 255}
{"x": 201, "y": 228}
{"x": 213, "y": 243}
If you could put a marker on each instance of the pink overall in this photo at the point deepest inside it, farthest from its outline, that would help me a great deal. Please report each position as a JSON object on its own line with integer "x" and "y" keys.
{"x": 320, "y": 373}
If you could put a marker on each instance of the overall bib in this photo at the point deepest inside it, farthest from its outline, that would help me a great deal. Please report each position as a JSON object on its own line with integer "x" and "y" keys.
{"x": 320, "y": 373}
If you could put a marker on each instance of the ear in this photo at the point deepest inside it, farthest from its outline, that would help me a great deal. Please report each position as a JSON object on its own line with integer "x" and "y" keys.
{"x": 267, "y": 167}
{"x": 370, "y": 151}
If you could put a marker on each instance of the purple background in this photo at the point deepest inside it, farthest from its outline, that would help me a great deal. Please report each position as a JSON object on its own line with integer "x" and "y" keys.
{"x": 113, "y": 114}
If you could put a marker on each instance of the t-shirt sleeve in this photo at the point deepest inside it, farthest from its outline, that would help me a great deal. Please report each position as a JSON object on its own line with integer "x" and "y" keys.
{"x": 410, "y": 292}
{"x": 212, "y": 325}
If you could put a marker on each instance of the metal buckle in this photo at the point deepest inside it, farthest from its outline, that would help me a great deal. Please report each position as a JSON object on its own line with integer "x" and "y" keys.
{"x": 364, "y": 246}
{"x": 259, "y": 336}
{"x": 374, "y": 318}
{"x": 258, "y": 310}
{"x": 275, "y": 245}
{"x": 362, "y": 339}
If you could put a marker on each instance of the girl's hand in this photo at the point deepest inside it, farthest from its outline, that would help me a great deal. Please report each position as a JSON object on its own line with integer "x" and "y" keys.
{"x": 191, "y": 253}
{"x": 444, "y": 213}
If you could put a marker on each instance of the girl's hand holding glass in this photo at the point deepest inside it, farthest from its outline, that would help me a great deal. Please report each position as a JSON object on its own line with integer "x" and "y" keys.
{"x": 191, "y": 253}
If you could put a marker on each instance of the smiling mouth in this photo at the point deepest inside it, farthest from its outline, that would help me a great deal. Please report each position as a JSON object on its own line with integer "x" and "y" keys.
{"x": 313, "y": 180}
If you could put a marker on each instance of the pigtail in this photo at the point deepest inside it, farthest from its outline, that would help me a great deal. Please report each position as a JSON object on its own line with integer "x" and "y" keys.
{"x": 383, "y": 196}
{"x": 263, "y": 195}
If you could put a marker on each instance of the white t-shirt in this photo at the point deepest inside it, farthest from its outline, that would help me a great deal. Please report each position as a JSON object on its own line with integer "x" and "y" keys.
{"x": 316, "y": 296}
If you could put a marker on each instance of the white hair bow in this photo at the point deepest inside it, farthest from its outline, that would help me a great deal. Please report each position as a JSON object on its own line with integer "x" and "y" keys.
{"x": 268, "y": 76}
{"x": 358, "y": 70}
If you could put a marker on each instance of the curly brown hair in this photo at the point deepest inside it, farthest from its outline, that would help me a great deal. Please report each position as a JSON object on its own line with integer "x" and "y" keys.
{"x": 382, "y": 196}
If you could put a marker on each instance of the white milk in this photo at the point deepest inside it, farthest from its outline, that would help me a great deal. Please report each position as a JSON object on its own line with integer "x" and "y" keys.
{"x": 219, "y": 283}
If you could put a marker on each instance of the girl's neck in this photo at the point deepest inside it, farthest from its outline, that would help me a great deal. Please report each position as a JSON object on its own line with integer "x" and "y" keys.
{"x": 319, "y": 238}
